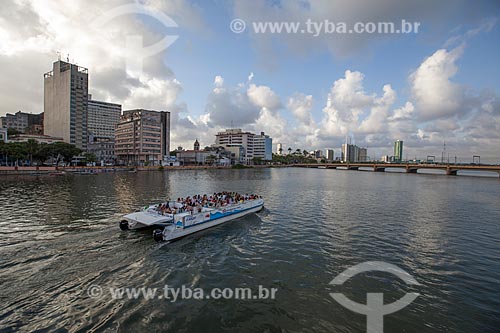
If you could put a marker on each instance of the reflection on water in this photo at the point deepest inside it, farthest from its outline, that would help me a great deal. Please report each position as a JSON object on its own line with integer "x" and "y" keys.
{"x": 59, "y": 236}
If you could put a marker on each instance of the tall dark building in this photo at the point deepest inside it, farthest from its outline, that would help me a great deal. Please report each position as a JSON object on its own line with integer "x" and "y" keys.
{"x": 142, "y": 137}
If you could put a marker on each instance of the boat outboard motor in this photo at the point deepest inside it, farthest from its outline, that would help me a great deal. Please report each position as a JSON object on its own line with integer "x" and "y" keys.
{"x": 124, "y": 225}
{"x": 158, "y": 235}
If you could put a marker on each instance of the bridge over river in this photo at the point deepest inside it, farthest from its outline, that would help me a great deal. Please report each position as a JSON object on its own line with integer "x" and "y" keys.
{"x": 450, "y": 169}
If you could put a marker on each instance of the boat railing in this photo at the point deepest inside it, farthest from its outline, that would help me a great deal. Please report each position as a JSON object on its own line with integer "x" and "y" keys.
{"x": 210, "y": 207}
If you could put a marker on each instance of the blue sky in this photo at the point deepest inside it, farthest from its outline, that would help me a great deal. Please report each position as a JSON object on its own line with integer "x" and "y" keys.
{"x": 222, "y": 52}
{"x": 438, "y": 85}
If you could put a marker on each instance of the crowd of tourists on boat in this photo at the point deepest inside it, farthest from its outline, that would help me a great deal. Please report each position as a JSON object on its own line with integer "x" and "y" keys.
{"x": 196, "y": 203}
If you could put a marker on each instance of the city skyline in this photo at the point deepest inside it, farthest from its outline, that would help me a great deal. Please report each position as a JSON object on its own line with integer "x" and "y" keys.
{"x": 250, "y": 165}
{"x": 441, "y": 85}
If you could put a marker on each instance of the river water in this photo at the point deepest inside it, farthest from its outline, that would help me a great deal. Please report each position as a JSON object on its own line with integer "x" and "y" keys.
{"x": 59, "y": 238}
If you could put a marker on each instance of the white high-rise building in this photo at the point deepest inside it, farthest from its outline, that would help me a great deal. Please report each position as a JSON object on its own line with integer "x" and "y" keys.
{"x": 279, "y": 149}
{"x": 352, "y": 153}
{"x": 102, "y": 118}
{"x": 263, "y": 147}
{"x": 254, "y": 145}
{"x": 65, "y": 103}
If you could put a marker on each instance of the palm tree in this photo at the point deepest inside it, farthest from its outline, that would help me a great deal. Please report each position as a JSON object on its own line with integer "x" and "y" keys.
{"x": 289, "y": 150}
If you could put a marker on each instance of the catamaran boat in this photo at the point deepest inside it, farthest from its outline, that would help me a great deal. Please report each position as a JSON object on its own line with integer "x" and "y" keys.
{"x": 176, "y": 225}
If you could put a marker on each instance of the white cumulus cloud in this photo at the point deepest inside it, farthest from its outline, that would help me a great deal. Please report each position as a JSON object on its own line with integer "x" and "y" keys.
{"x": 435, "y": 95}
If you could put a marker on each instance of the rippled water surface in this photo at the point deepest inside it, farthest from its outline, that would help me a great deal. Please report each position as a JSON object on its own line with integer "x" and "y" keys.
{"x": 59, "y": 236}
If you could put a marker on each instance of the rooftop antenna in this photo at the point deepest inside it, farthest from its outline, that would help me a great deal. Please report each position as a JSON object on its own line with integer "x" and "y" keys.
{"x": 232, "y": 125}
{"x": 67, "y": 58}
{"x": 443, "y": 152}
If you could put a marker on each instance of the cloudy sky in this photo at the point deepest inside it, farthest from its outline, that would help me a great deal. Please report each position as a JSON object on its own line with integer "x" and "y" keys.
{"x": 307, "y": 91}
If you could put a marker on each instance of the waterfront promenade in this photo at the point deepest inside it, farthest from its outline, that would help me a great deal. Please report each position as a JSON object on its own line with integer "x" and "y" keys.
{"x": 23, "y": 170}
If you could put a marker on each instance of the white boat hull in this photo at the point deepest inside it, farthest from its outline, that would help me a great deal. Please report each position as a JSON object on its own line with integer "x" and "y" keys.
{"x": 144, "y": 219}
{"x": 169, "y": 235}
{"x": 175, "y": 235}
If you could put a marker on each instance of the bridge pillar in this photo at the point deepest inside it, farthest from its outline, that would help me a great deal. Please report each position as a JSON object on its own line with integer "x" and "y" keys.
{"x": 411, "y": 170}
{"x": 353, "y": 168}
{"x": 451, "y": 172}
{"x": 378, "y": 169}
